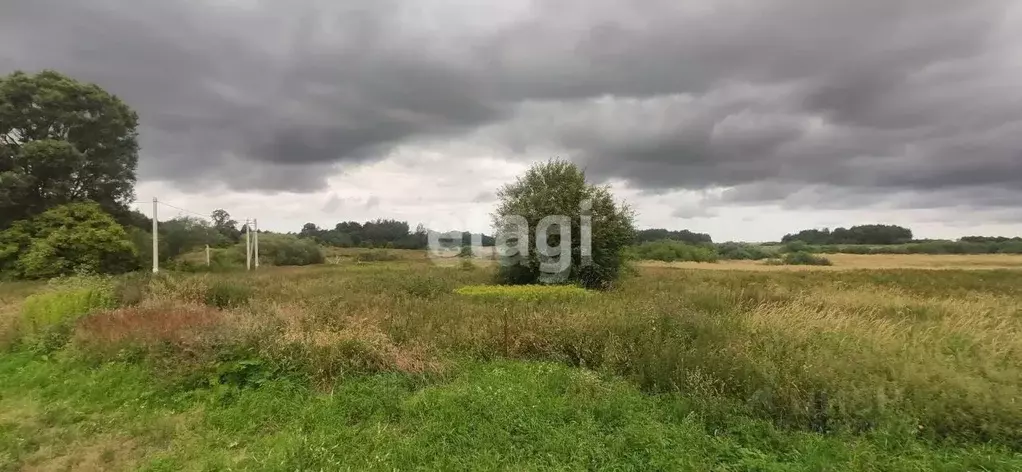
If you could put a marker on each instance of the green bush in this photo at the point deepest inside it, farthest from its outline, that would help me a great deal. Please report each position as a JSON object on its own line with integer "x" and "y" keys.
{"x": 47, "y": 318}
{"x": 674, "y": 251}
{"x": 795, "y": 246}
{"x": 742, "y": 251}
{"x": 221, "y": 294}
{"x": 287, "y": 250}
{"x": 804, "y": 258}
{"x": 77, "y": 238}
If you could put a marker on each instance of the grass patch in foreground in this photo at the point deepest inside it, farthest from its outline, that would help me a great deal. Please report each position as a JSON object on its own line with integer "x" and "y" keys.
{"x": 524, "y": 292}
{"x": 487, "y": 416}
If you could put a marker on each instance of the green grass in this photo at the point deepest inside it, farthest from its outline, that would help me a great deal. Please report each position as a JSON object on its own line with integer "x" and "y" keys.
{"x": 46, "y": 317}
{"x": 523, "y": 292}
{"x": 502, "y": 415}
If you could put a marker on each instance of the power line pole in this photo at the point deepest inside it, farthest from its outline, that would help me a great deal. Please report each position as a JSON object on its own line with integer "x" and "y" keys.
{"x": 248, "y": 245}
{"x": 156, "y": 242}
{"x": 255, "y": 223}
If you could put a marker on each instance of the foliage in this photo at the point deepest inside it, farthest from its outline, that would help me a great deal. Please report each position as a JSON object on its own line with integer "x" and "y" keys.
{"x": 47, "y": 317}
{"x": 742, "y": 251}
{"x": 381, "y": 233}
{"x": 686, "y": 236}
{"x": 804, "y": 258}
{"x": 936, "y": 247}
{"x": 863, "y": 234}
{"x": 226, "y": 226}
{"x": 68, "y": 239}
{"x": 63, "y": 141}
{"x": 796, "y": 246}
{"x": 187, "y": 233}
{"x": 224, "y": 294}
{"x": 288, "y": 250}
{"x": 674, "y": 251}
{"x": 559, "y": 188}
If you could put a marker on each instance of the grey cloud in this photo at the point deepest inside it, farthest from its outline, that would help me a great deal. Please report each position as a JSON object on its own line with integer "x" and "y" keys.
{"x": 791, "y": 101}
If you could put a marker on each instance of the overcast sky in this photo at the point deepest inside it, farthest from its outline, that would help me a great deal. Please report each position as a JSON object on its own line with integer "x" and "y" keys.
{"x": 745, "y": 119}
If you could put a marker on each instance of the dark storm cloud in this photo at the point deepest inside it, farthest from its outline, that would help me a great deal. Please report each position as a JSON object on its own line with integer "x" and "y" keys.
{"x": 780, "y": 100}
{"x": 223, "y": 89}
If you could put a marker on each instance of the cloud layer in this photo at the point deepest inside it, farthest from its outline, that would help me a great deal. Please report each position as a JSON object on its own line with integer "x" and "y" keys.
{"x": 798, "y": 102}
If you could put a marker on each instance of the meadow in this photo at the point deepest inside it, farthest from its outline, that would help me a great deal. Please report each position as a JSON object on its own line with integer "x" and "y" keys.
{"x": 386, "y": 361}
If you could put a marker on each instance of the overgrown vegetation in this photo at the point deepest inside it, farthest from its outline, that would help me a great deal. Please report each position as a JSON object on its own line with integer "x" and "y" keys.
{"x": 672, "y": 251}
{"x": 858, "y": 370}
{"x": 801, "y": 258}
{"x": 47, "y": 318}
{"x": 68, "y": 239}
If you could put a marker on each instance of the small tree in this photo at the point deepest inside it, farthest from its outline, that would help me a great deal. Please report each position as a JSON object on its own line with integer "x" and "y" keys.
{"x": 559, "y": 188}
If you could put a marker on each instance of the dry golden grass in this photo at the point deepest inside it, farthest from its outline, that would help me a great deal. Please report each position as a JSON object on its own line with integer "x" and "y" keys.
{"x": 866, "y": 261}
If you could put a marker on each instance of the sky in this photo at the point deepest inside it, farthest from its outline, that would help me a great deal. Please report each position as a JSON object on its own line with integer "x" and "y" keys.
{"x": 744, "y": 119}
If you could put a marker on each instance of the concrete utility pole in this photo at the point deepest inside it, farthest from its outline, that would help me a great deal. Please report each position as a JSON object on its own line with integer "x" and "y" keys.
{"x": 156, "y": 242}
{"x": 207, "y": 255}
{"x": 255, "y": 223}
{"x": 248, "y": 245}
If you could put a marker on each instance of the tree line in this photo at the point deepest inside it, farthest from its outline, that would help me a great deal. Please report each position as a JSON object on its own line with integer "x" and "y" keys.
{"x": 877, "y": 234}
{"x": 384, "y": 233}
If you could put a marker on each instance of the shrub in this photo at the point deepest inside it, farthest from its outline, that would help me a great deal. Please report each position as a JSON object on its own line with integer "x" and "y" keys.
{"x": 672, "y": 251}
{"x": 805, "y": 258}
{"x": 287, "y": 250}
{"x": 741, "y": 251}
{"x": 77, "y": 238}
{"x": 795, "y": 246}
{"x": 222, "y": 294}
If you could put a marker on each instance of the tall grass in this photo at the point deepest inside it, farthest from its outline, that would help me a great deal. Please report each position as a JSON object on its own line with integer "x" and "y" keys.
{"x": 892, "y": 355}
{"x": 47, "y": 317}
{"x": 936, "y": 355}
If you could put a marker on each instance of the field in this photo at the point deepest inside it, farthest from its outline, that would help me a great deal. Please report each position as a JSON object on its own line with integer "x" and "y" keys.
{"x": 878, "y": 261}
{"x": 382, "y": 363}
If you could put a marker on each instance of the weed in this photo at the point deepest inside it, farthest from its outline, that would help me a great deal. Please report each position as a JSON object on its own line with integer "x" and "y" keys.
{"x": 223, "y": 295}
{"x": 375, "y": 256}
{"x": 47, "y": 317}
{"x": 424, "y": 286}
{"x": 524, "y": 292}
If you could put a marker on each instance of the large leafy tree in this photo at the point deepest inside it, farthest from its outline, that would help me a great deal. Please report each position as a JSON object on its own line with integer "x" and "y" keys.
{"x": 559, "y": 188}
{"x": 223, "y": 223}
{"x": 63, "y": 141}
